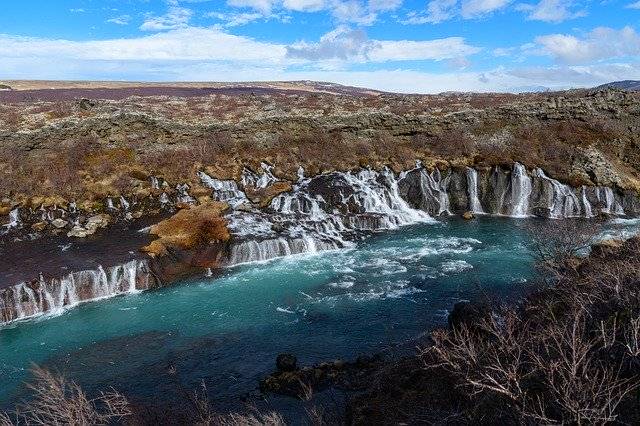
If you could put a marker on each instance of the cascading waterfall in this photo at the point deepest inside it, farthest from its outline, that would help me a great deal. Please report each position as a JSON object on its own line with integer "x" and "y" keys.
{"x": 29, "y": 300}
{"x": 261, "y": 181}
{"x": 319, "y": 213}
{"x": 607, "y": 199}
{"x": 434, "y": 187}
{"x": 520, "y": 192}
{"x": 588, "y": 211}
{"x": 14, "y": 219}
{"x": 561, "y": 200}
{"x": 224, "y": 190}
{"x": 324, "y": 212}
{"x": 472, "y": 191}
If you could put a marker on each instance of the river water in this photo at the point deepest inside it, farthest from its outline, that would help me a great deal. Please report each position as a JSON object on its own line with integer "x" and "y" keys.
{"x": 382, "y": 295}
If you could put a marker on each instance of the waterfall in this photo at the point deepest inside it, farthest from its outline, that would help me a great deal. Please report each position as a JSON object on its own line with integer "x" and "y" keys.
{"x": 14, "y": 219}
{"x": 224, "y": 190}
{"x": 520, "y": 191}
{"x": 155, "y": 183}
{"x": 607, "y": 199}
{"x": 124, "y": 204}
{"x": 251, "y": 179}
{"x": 561, "y": 201}
{"x": 472, "y": 191}
{"x": 260, "y": 251}
{"x": 588, "y": 212}
{"x": 46, "y": 297}
{"x": 183, "y": 194}
{"x": 164, "y": 199}
{"x": 434, "y": 189}
{"x": 320, "y": 213}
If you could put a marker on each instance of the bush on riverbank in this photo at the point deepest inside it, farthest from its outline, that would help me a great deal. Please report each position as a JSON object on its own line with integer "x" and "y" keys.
{"x": 569, "y": 353}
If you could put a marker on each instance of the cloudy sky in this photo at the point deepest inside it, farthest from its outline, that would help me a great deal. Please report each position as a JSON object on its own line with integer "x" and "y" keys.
{"x": 398, "y": 45}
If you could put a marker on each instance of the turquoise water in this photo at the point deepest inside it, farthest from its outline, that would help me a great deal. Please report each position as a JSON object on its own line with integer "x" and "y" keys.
{"x": 227, "y": 330}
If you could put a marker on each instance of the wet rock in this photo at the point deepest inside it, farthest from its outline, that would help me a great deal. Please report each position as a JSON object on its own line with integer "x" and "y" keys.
{"x": 245, "y": 207}
{"x": 5, "y": 210}
{"x": 467, "y": 313}
{"x": 59, "y": 223}
{"x": 468, "y": 215}
{"x": 286, "y": 362}
{"x": 98, "y": 221}
{"x": 79, "y": 232}
{"x": 339, "y": 374}
{"x": 39, "y": 226}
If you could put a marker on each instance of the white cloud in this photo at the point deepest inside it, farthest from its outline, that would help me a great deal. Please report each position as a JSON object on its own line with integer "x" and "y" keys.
{"x": 304, "y": 5}
{"x": 362, "y": 12}
{"x": 550, "y": 11}
{"x": 264, "y": 6}
{"x": 77, "y": 10}
{"x": 238, "y": 19}
{"x": 176, "y": 17}
{"x": 442, "y": 10}
{"x": 120, "y": 20}
{"x": 345, "y": 44}
{"x": 635, "y": 5}
{"x": 341, "y": 44}
{"x": 601, "y": 43}
{"x": 479, "y": 8}
{"x": 184, "y": 44}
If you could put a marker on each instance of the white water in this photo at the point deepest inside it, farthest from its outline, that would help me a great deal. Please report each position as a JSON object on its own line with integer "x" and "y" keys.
{"x": 520, "y": 191}
{"x": 249, "y": 178}
{"x": 562, "y": 201}
{"x": 472, "y": 191}
{"x": 54, "y": 296}
{"x": 224, "y": 190}
{"x": 303, "y": 221}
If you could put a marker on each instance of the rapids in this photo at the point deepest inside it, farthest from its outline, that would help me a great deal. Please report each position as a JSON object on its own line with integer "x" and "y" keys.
{"x": 378, "y": 295}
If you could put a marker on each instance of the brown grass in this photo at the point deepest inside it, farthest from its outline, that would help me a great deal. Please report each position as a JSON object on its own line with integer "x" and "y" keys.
{"x": 189, "y": 228}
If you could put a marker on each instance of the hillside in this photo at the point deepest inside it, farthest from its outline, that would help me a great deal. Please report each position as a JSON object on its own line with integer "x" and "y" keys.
{"x": 623, "y": 85}
{"x": 62, "y": 145}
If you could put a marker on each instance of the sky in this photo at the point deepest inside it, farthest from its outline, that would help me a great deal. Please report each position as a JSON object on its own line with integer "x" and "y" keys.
{"x": 412, "y": 46}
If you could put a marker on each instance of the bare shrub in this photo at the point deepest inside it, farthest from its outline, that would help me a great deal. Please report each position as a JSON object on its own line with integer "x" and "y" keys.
{"x": 57, "y": 401}
{"x": 569, "y": 355}
{"x": 556, "y": 249}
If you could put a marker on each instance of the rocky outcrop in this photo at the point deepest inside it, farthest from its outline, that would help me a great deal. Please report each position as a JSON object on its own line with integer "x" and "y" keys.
{"x": 51, "y": 296}
{"x": 322, "y": 212}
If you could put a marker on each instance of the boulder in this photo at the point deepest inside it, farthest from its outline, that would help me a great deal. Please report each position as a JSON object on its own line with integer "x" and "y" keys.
{"x": 59, "y": 223}
{"x": 79, "y": 232}
{"x": 286, "y": 362}
{"x": 468, "y": 215}
{"x": 39, "y": 226}
{"x": 98, "y": 221}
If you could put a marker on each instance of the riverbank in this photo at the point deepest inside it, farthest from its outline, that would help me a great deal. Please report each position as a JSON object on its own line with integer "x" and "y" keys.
{"x": 565, "y": 353}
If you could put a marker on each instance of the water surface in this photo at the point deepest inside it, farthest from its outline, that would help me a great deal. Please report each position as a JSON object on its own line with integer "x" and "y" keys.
{"x": 227, "y": 330}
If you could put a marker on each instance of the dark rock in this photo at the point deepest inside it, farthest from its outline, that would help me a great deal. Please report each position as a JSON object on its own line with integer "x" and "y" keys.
{"x": 467, "y": 313}
{"x": 286, "y": 362}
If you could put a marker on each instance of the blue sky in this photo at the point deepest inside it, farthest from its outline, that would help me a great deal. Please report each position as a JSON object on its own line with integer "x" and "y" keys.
{"x": 398, "y": 45}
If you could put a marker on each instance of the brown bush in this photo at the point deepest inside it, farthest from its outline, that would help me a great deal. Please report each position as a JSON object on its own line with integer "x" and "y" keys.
{"x": 190, "y": 228}
{"x": 569, "y": 356}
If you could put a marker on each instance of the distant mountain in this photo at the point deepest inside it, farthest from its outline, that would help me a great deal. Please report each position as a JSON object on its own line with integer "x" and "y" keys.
{"x": 624, "y": 85}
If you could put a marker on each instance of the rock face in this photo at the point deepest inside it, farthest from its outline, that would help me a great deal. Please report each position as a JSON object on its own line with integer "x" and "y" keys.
{"x": 286, "y": 362}
{"x": 47, "y": 296}
{"x": 322, "y": 212}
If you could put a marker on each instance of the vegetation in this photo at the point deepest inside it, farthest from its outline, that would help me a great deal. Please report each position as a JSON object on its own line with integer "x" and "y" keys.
{"x": 87, "y": 150}
{"x": 569, "y": 354}
{"x": 190, "y": 227}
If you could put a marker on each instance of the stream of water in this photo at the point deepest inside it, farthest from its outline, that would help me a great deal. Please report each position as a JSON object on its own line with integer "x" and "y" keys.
{"x": 227, "y": 330}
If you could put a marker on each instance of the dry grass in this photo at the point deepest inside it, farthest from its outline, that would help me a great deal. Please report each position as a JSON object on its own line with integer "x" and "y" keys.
{"x": 190, "y": 228}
